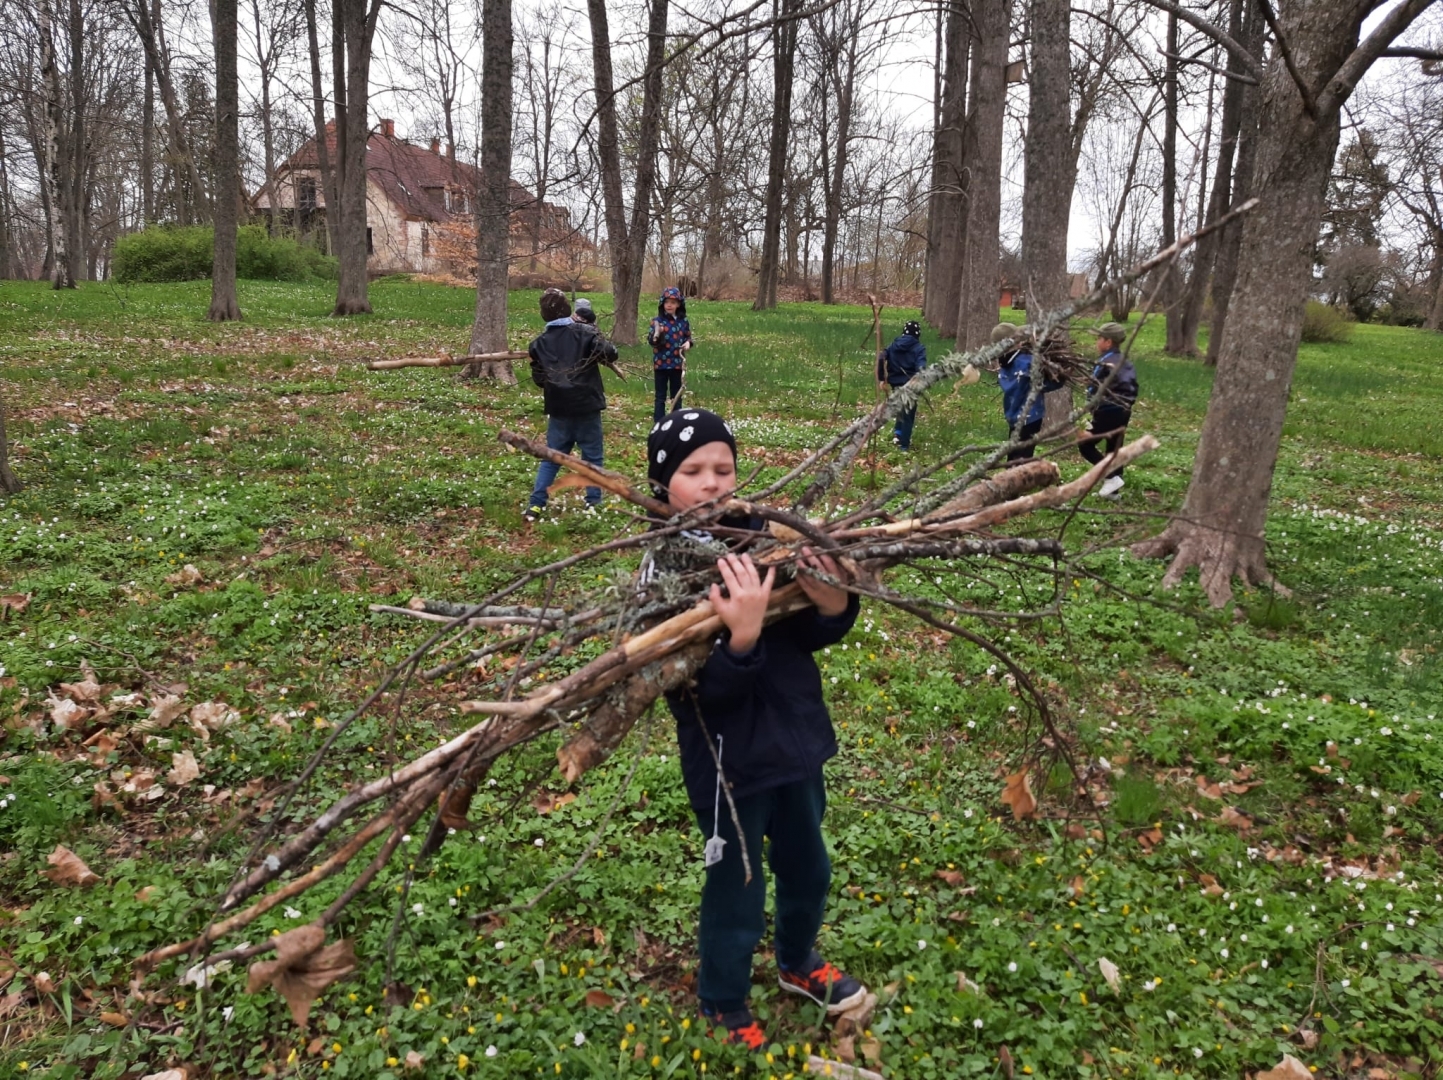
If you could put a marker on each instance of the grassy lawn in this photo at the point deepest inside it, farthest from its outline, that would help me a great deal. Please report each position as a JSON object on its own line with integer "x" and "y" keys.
{"x": 304, "y": 488}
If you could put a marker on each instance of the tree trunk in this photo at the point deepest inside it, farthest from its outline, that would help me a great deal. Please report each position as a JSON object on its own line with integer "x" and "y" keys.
{"x": 1225, "y": 264}
{"x": 784, "y": 50}
{"x": 355, "y": 28}
{"x": 149, "y": 28}
{"x": 645, "y": 180}
{"x": 1220, "y": 528}
{"x": 53, "y": 172}
{"x": 947, "y": 201}
{"x": 1048, "y": 177}
{"x": 266, "y": 59}
{"x": 977, "y": 309}
{"x": 147, "y": 149}
{"x": 224, "y": 306}
{"x": 1434, "y": 321}
{"x": 1171, "y": 284}
{"x": 493, "y": 200}
{"x": 9, "y": 483}
{"x": 608, "y": 152}
{"x": 318, "y": 109}
{"x": 78, "y": 154}
{"x": 843, "y": 84}
{"x": 1206, "y": 251}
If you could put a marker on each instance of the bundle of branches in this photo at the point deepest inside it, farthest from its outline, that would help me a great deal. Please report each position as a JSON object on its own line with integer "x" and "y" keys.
{"x": 647, "y": 640}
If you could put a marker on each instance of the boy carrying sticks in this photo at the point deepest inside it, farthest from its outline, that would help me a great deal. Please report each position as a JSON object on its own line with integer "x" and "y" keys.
{"x": 754, "y": 721}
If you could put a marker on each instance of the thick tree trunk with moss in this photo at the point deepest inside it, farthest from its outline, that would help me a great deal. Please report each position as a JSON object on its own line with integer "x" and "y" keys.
{"x": 493, "y": 200}
{"x": 946, "y": 208}
{"x": 224, "y": 306}
{"x": 1220, "y": 529}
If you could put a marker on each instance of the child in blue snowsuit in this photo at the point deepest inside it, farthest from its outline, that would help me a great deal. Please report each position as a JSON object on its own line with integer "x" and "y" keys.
{"x": 896, "y": 364}
{"x": 1014, "y": 375}
{"x": 670, "y": 339}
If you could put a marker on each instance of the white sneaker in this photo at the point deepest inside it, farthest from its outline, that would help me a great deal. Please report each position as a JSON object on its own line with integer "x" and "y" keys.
{"x": 1110, "y": 487}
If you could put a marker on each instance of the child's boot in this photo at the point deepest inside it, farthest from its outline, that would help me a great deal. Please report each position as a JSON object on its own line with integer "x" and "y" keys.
{"x": 738, "y": 1028}
{"x": 824, "y": 984}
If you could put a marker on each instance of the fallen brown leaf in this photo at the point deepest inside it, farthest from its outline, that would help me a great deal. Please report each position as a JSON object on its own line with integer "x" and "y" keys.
{"x": 599, "y": 999}
{"x": 1017, "y": 795}
{"x": 415, "y": 1059}
{"x": 303, "y": 968}
{"x": 1207, "y": 789}
{"x": 186, "y": 575}
{"x": 1235, "y": 819}
{"x": 1004, "y": 1058}
{"x": 169, "y": 1074}
{"x": 163, "y": 712}
{"x": 44, "y": 984}
{"x": 545, "y": 802}
{"x": 951, "y": 877}
{"x": 114, "y": 1019}
{"x": 211, "y": 716}
{"x": 9, "y": 1003}
{"x": 66, "y": 714}
{"x": 184, "y": 768}
{"x": 16, "y": 602}
{"x": 87, "y": 691}
{"x": 69, "y": 869}
{"x": 1290, "y": 1068}
{"x": 1210, "y": 885}
{"x": 1150, "y": 839}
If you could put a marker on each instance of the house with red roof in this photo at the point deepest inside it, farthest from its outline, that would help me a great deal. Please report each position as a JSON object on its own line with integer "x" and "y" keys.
{"x": 419, "y": 203}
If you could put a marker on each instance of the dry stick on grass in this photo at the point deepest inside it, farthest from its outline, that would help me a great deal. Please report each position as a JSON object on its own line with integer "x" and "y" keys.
{"x": 442, "y": 361}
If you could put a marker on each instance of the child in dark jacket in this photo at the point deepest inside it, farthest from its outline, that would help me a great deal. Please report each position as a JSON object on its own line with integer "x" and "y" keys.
{"x": 564, "y": 359}
{"x": 896, "y": 364}
{"x": 670, "y": 339}
{"x": 757, "y": 710}
{"x": 1111, "y": 392}
{"x": 1014, "y": 375}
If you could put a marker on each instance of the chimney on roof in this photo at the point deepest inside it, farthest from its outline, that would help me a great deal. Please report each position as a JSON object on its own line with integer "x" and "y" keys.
{"x": 388, "y": 128}
{"x": 435, "y": 145}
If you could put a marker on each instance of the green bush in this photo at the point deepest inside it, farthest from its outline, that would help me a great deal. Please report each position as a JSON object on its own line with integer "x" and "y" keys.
{"x": 1324, "y": 324}
{"x": 174, "y": 253}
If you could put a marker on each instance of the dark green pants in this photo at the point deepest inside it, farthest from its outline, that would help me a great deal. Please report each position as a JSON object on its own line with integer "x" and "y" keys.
{"x": 733, "y": 914}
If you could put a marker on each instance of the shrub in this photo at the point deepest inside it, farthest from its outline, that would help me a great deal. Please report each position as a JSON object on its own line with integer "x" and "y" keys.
{"x": 174, "y": 253}
{"x": 1324, "y": 324}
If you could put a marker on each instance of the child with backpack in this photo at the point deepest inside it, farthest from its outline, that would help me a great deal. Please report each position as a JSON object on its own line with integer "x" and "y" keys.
{"x": 896, "y": 364}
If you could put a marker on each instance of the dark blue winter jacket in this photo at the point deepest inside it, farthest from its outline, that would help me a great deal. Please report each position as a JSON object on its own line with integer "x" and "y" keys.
{"x": 1014, "y": 375}
{"x": 902, "y": 359}
{"x": 1121, "y": 393}
{"x": 766, "y": 705}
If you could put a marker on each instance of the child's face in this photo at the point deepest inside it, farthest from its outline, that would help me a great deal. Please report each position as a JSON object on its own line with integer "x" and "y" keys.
{"x": 708, "y": 473}
{"x": 670, "y": 304}
{"x": 1105, "y": 345}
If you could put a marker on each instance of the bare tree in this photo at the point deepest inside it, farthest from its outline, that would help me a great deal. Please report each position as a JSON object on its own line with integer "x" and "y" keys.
{"x": 493, "y": 201}
{"x": 627, "y": 239}
{"x": 977, "y": 309}
{"x": 784, "y": 55}
{"x": 353, "y": 28}
{"x": 1317, "y": 61}
{"x": 947, "y": 207}
{"x": 9, "y": 482}
{"x": 224, "y": 306}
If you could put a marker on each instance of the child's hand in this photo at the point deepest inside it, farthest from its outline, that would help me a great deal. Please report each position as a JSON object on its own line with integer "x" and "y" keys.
{"x": 685, "y": 346}
{"x": 745, "y": 605}
{"x": 829, "y": 599}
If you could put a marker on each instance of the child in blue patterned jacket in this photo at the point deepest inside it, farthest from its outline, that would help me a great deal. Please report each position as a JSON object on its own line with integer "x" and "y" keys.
{"x": 670, "y": 338}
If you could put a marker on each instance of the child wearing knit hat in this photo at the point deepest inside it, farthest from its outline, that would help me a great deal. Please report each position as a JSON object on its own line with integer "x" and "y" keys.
{"x": 756, "y": 721}
{"x": 1111, "y": 393}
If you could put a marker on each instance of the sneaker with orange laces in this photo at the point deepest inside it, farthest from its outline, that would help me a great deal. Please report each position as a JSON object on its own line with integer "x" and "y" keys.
{"x": 741, "y": 1027}
{"x": 824, "y": 984}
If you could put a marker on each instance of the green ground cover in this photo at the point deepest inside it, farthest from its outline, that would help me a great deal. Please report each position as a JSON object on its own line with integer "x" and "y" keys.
{"x": 304, "y": 488}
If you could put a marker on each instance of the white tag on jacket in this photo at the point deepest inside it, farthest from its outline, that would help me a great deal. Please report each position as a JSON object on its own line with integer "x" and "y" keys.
{"x": 712, "y": 853}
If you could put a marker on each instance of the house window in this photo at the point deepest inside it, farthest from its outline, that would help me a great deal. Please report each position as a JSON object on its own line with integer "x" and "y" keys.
{"x": 307, "y": 194}
{"x": 425, "y": 240}
{"x": 370, "y": 241}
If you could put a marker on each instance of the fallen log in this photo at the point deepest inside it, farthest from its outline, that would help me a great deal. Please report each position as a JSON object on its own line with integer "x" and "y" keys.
{"x": 442, "y": 361}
